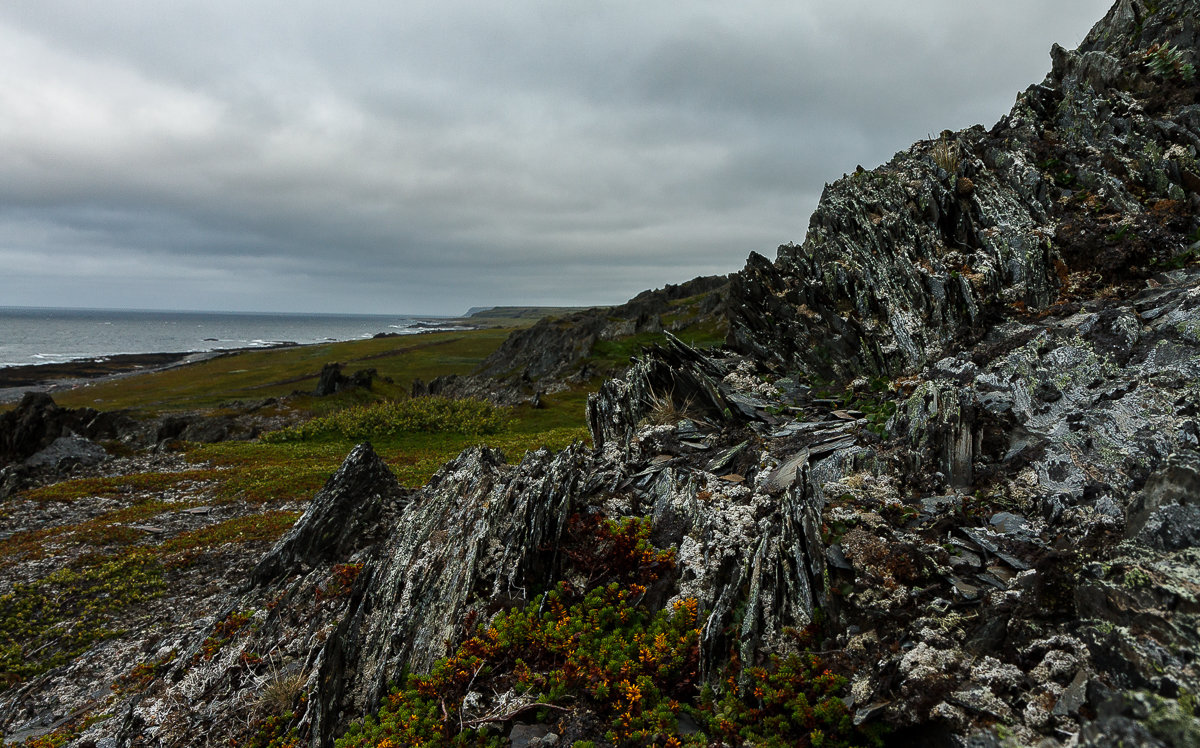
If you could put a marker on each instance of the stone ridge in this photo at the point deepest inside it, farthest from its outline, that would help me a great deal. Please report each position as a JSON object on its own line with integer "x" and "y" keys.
{"x": 903, "y": 263}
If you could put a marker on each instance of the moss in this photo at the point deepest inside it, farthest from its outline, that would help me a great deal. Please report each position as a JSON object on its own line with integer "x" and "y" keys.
{"x": 1173, "y": 721}
{"x": 1135, "y": 578}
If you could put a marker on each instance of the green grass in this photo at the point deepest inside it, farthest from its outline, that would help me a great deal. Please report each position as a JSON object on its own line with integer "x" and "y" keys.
{"x": 250, "y": 376}
{"x": 388, "y": 418}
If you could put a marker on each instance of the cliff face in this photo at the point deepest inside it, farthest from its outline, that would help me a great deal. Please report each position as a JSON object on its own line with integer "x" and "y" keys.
{"x": 952, "y": 453}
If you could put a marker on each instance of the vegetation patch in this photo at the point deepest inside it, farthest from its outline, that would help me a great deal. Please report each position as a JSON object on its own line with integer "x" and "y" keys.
{"x": 341, "y": 581}
{"x": 394, "y": 417}
{"x": 105, "y": 530}
{"x": 278, "y": 373}
{"x": 606, "y": 649}
{"x": 792, "y": 701}
{"x": 265, "y": 527}
{"x": 64, "y": 734}
{"x": 141, "y": 675}
{"x": 118, "y": 486}
{"x": 223, "y": 632}
{"x": 46, "y": 623}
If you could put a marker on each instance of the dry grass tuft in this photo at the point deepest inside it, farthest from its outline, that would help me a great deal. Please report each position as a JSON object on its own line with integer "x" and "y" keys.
{"x": 946, "y": 154}
{"x": 281, "y": 691}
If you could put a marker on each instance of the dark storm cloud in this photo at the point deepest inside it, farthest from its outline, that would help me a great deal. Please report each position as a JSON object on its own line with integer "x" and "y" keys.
{"x": 429, "y": 156}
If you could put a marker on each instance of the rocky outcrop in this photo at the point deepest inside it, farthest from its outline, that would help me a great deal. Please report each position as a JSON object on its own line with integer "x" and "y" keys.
{"x": 356, "y": 506}
{"x": 37, "y": 422}
{"x": 555, "y": 347}
{"x": 332, "y": 380}
{"x": 39, "y": 441}
{"x": 477, "y": 537}
{"x": 1091, "y": 179}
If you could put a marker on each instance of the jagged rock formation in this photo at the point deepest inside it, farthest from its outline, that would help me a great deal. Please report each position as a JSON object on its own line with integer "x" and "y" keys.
{"x": 352, "y": 511}
{"x": 37, "y": 422}
{"x": 992, "y": 506}
{"x": 562, "y": 350}
{"x": 1090, "y": 179}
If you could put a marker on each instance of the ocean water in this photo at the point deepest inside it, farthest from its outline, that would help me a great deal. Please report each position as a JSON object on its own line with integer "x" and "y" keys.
{"x": 44, "y": 335}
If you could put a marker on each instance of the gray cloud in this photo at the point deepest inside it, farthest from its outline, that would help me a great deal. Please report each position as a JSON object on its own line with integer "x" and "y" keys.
{"x": 430, "y": 156}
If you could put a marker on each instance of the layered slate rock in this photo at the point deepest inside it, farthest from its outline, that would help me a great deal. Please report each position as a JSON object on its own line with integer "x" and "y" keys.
{"x": 347, "y": 514}
{"x": 903, "y": 263}
{"x": 479, "y": 535}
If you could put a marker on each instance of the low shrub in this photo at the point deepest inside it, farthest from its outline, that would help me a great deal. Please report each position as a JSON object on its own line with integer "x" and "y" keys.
{"x": 607, "y": 651}
{"x": 633, "y": 665}
{"x": 394, "y": 417}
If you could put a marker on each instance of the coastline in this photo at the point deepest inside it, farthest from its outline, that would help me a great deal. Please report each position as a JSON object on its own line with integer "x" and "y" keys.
{"x": 15, "y": 381}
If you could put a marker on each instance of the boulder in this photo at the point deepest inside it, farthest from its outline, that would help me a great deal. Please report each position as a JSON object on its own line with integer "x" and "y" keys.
{"x": 331, "y": 379}
{"x": 32, "y": 426}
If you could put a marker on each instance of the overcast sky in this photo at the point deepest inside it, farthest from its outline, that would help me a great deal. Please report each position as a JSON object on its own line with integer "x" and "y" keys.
{"x": 425, "y": 156}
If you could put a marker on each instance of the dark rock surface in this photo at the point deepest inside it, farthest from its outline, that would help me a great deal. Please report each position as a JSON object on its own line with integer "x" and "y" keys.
{"x": 901, "y": 265}
{"x": 355, "y": 506}
{"x": 37, "y": 422}
{"x": 554, "y": 347}
{"x": 331, "y": 379}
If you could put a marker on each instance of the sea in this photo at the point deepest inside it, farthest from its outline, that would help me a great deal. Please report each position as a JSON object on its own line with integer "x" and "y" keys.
{"x": 50, "y": 335}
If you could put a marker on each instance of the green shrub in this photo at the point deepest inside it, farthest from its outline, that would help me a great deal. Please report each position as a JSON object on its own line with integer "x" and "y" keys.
{"x": 395, "y": 417}
{"x": 1168, "y": 62}
{"x": 629, "y": 662}
{"x": 633, "y": 666}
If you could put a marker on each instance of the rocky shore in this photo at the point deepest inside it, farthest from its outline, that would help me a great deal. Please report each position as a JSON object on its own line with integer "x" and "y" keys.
{"x": 16, "y": 380}
{"x": 938, "y": 489}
